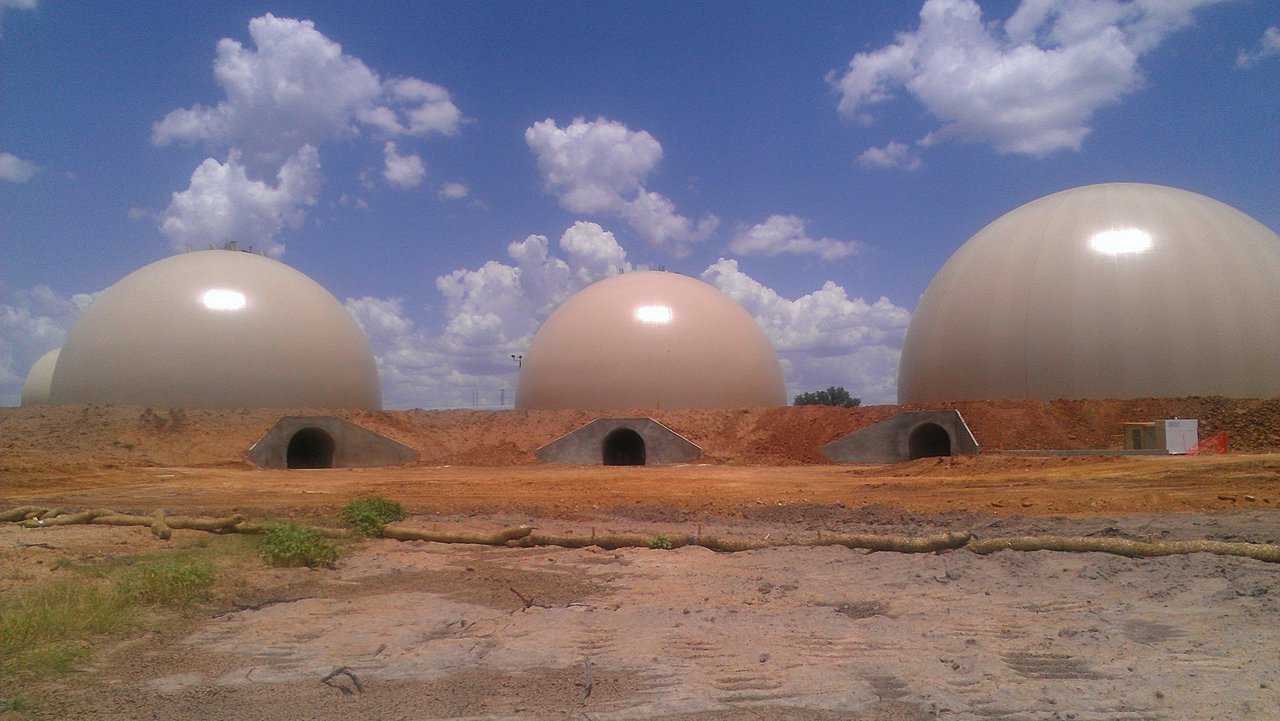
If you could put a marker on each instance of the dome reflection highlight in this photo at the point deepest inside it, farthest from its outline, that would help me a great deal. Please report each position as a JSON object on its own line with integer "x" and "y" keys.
{"x": 1121, "y": 241}
{"x": 654, "y": 314}
{"x": 223, "y": 299}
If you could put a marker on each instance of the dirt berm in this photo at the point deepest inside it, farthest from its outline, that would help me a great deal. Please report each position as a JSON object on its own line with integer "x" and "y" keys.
{"x": 67, "y": 438}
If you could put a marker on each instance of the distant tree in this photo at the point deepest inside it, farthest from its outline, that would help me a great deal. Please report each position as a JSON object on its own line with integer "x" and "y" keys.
{"x": 833, "y": 396}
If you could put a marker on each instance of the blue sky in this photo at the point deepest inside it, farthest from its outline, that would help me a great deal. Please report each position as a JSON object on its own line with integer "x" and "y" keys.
{"x": 452, "y": 171}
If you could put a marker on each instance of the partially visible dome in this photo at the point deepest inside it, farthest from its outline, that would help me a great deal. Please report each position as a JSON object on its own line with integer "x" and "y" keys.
{"x": 217, "y": 329}
{"x": 1122, "y": 290}
{"x": 35, "y": 391}
{"x": 650, "y": 340}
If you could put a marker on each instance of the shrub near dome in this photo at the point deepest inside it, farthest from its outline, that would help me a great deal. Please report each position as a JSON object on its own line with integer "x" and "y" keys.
{"x": 1121, "y": 290}
{"x": 217, "y": 329}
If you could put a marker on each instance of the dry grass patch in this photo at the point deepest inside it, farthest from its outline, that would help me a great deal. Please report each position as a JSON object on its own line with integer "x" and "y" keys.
{"x": 46, "y": 628}
{"x": 49, "y": 626}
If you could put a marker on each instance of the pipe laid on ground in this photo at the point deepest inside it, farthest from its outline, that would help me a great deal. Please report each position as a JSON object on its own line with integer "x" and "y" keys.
{"x": 1125, "y": 547}
{"x": 501, "y": 538}
{"x": 525, "y": 536}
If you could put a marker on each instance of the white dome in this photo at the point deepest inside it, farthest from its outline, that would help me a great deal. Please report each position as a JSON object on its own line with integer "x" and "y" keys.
{"x": 650, "y": 340}
{"x": 217, "y": 329}
{"x": 1120, "y": 290}
{"x": 35, "y": 391}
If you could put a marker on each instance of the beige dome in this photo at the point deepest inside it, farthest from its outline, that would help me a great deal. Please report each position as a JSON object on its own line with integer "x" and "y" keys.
{"x": 35, "y": 391}
{"x": 1120, "y": 290}
{"x": 650, "y": 340}
{"x": 217, "y": 329}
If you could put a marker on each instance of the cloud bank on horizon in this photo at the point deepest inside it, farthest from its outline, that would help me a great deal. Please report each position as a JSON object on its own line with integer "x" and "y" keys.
{"x": 291, "y": 98}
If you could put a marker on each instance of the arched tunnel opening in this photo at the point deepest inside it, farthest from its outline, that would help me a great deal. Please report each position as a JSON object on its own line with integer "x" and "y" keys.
{"x": 623, "y": 447}
{"x": 310, "y": 448}
{"x": 928, "y": 440}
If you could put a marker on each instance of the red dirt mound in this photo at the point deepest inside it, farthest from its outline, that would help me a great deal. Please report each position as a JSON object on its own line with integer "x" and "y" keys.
{"x": 52, "y": 439}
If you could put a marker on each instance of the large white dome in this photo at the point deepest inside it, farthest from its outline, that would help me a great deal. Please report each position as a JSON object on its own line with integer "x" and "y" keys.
{"x": 35, "y": 391}
{"x": 1121, "y": 290}
{"x": 650, "y": 340}
{"x": 217, "y": 329}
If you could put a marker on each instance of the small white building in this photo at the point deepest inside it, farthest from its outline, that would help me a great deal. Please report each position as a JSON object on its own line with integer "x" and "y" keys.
{"x": 1175, "y": 435}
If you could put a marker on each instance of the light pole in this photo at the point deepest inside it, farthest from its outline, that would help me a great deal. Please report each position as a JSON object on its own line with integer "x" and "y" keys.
{"x": 519, "y": 361}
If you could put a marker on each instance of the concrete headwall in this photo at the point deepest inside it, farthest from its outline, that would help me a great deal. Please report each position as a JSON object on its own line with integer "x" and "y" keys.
{"x": 354, "y": 447}
{"x": 889, "y": 441}
{"x": 586, "y": 445}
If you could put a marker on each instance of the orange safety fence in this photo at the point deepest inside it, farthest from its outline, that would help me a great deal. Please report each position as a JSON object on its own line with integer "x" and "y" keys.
{"x": 1216, "y": 443}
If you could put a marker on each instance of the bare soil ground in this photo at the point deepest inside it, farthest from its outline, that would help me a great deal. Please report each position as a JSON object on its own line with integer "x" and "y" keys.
{"x": 438, "y": 631}
{"x": 1001, "y": 485}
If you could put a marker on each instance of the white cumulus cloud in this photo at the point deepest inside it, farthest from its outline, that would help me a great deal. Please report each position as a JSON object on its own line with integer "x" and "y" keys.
{"x": 788, "y": 234}
{"x": 223, "y": 204}
{"x": 824, "y": 338}
{"x": 402, "y": 171}
{"x": 488, "y": 313}
{"x": 33, "y": 322}
{"x": 383, "y": 319}
{"x": 592, "y": 166}
{"x": 654, "y": 217}
{"x": 14, "y": 169}
{"x": 894, "y": 155}
{"x": 1029, "y": 85}
{"x": 283, "y": 98}
{"x": 454, "y": 191}
{"x": 492, "y": 311}
{"x": 1268, "y": 47}
{"x": 297, "y": 87}
{"x": 600, "y": 167}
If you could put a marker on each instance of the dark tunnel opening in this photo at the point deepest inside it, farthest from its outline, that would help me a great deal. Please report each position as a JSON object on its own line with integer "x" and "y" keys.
{"x": 310, "y": 448}
{"x": 623, "y": 447}
{"x": 928, "y": 440}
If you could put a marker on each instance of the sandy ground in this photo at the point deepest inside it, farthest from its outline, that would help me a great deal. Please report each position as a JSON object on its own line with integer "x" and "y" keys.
{"x": 1002, "y": 485}
{"x": 437, "y": 631}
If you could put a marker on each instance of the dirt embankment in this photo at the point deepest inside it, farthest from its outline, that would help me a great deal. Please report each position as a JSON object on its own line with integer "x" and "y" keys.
{"x": 68, "y": 438}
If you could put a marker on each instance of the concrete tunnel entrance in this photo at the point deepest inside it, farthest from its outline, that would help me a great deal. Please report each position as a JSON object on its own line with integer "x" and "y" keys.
{"x": 310, "y": 448}
{"x": 623, "y": 447}
{"x": 928, "y": 440}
